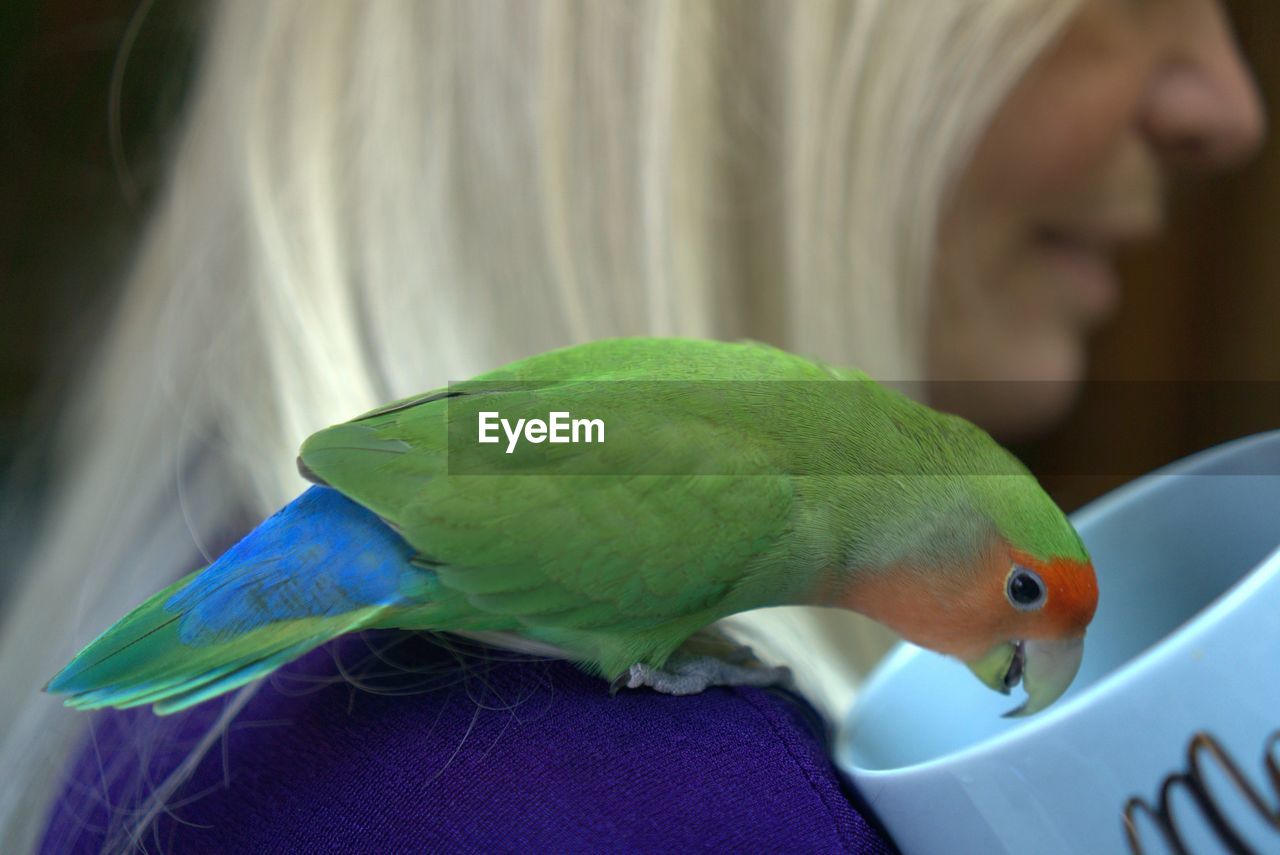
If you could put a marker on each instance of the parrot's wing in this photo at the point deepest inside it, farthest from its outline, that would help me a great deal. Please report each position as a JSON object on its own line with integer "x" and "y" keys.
{"x": 624, "y": 544}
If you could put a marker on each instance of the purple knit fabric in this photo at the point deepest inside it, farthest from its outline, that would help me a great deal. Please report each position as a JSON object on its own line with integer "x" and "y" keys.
{"x": 487, "y": 756}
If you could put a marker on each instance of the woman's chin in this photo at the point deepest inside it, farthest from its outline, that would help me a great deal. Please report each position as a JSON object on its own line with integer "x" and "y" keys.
{"x": 1021, "y": 393}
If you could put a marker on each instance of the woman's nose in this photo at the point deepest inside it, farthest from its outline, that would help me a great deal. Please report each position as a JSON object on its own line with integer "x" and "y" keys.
{"x": 1203, "y": 109}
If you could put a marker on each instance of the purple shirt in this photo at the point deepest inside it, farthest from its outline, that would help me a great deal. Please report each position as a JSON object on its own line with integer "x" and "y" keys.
{"x": 493, "y": 755}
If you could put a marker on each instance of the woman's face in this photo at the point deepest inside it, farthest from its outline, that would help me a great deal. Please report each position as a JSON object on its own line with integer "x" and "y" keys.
{"x": 1071, "y": 169}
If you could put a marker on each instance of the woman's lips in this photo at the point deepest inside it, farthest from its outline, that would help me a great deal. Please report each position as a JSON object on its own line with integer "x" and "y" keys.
{"x": 1085, "y": 263}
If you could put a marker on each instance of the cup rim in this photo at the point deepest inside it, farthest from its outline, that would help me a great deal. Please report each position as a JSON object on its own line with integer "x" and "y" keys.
{"x": 1203, "y": 621}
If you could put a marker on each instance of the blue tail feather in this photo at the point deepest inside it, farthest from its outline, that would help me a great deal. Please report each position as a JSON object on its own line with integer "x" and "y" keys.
{"x": 320, "y": 567}
{"x": 319, "y": 556}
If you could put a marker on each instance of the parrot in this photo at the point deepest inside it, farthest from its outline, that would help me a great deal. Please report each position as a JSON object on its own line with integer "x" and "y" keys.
{"x": 727, "y": 477}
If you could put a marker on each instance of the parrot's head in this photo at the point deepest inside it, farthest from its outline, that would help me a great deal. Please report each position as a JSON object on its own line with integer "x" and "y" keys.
{"x": 1033, "y": 624}
{"x": 1039, "y": 592}
{"x": 1004, "y": 584}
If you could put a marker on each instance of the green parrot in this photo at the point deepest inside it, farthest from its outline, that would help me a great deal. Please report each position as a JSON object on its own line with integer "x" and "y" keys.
{"x": 703, "y": 479}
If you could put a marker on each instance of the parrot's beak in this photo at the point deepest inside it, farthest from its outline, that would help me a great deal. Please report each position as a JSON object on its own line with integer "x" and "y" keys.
{"x": 1045, "y": 668}
{"x": 1000, "y": 668}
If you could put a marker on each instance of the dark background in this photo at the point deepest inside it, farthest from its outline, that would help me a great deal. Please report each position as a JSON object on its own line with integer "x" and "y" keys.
{"x": 1192, "y": 359}
{"x": 72, "y": 202}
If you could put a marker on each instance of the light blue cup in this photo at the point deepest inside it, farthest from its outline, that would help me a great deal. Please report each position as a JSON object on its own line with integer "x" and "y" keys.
{"x": 1186, "y": 639}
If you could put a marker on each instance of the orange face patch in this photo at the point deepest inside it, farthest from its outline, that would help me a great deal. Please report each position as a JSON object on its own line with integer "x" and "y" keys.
{"x": 965, "y": 613}
{"x": 1072, "y": 594}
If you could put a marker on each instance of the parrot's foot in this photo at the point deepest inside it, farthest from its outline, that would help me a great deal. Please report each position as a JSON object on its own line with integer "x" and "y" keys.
{"x": 688, "y": 675}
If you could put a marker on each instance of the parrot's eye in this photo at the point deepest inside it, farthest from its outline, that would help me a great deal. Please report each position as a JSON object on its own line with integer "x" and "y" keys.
{"x": 1025, "y": 590}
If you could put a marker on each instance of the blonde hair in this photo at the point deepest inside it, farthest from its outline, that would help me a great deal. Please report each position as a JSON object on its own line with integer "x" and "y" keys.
{"x": 369, "y": 200}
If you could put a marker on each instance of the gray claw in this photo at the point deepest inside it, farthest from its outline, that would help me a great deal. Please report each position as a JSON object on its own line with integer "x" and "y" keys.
{"x": 689, "y": 675}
